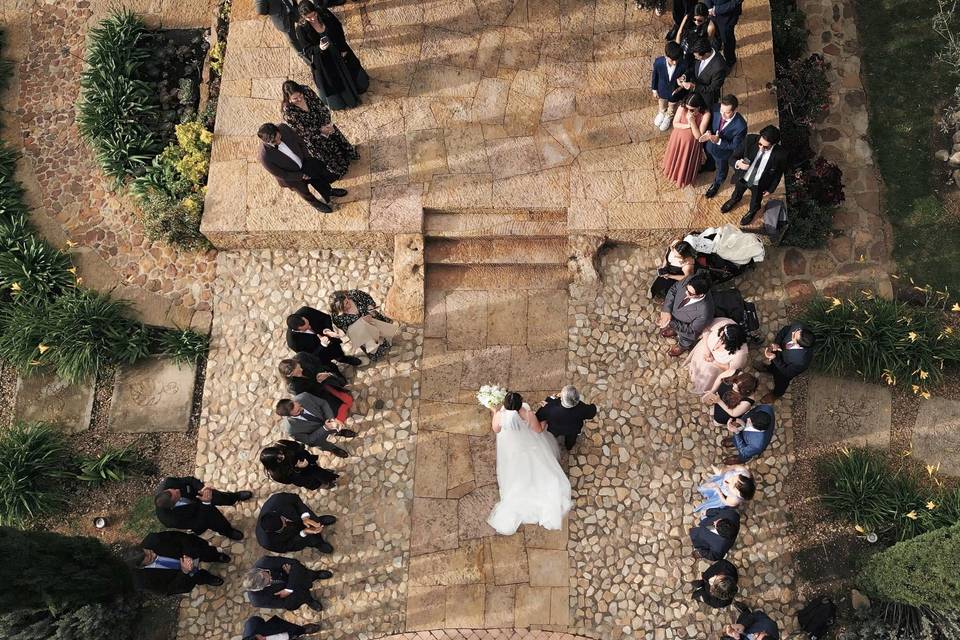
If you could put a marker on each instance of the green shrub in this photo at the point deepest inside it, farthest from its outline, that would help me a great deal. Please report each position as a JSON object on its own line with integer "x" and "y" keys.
{"x": 34, "y": 462}
{"x": 810, "y": 225}
{"x": 891, "y": 621}
{"x": 882, "y": 340}
{"x": 180, "y": 345}
{"x": 74, "y": 334}
{"x": 789, "y": 30}
{"x": 111, "y": 465}
{"x": 118, "y": 112}
{"x": 142, "y": 518}
{"x": 29, "y": 267}
{"x": 116, "y": 620}
{"x": 921, "y": 572}
{"x": 863, "y": 488}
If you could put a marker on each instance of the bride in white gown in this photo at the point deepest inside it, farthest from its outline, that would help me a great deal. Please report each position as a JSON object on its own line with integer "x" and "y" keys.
{"x": 533, "y": 487}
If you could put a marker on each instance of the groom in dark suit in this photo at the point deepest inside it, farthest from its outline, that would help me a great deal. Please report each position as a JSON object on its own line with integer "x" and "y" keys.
{"x": 708, "y": 72}
{"x": 686, "y": 312}
{"x": 730, "y": 128}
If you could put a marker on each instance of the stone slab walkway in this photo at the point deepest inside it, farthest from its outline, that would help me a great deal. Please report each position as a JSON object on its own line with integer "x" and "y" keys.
{"x": 491, "y": 104}
{"x": 73, "y": 205}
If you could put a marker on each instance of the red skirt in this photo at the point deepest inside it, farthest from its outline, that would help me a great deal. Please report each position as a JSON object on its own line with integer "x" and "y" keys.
{"x": 346, "y": 401}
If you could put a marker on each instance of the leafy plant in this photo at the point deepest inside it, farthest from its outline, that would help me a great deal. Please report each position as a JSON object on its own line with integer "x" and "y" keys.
{"x": 111, "y": 465}
{"x": 180, "y": 345}
{"x": 862, "y": 487}
{"x": 74, "y": 334}
{"x": 34, "y": 462}
{"x": 118, "y": 113}
{"x": 921, "y": 572}
{"x": 892, "y": 621}
{"x": 217, "y": 55}
{"x": 883, "y": 340}
{"x": 116, "y": 620}
{"x": 810, "y": 225}
{"x": 789, "y": 30}
{"x": 29, "y": 267}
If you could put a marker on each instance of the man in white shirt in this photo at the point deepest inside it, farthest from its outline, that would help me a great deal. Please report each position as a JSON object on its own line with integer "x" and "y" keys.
{"x": 285, "y": 157}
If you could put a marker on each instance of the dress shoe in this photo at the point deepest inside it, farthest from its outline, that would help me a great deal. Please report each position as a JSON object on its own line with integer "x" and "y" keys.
{"x": 327, "y": 520}
{"x": 235, "y": 534}
{"x": 677, "y": 351}
{"x": 311, "y": 628}
{"x": 356, "y": 362}
{"x": 731, "y": 460}
{"x": 315, "y": 605}
{"x": 324, "y": 547}
{"x": 727, "y": 442}
{"x": 729, "y": 204}
{"x": 747, "y": 218}
{"x": 340, "y": 453}
{"x": 244, "y": 495}
{"x": 712, "y": 191}
{"x": 668, "y": 333}
{"x": 222, "y": 557}
{"x": 323, "y": 208}
{"x": 346, "y": 433}
{"x": 768, "y": 398}
{"x": 322, "y": 574}
{"x": 338, "y": 193}
{"x": 214, "y": 581}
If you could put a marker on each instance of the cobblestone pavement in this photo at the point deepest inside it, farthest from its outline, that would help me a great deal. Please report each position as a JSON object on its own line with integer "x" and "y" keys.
{"x": 71, "y": 200}
{"x": 636, "y": 472}
{"x": 254, "y": 293}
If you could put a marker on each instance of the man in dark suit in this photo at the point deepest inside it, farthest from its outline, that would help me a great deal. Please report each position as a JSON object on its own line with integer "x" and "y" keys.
{"x": 285, "y": 157}
{"x": 717, "y": 586}
{"x": 752, "y": 433}
{"x": 760, "y": 164}
{"x": 256, "y": 628}
{"x": 306, "y": 373}
{"x": 311, "y": 420}
{"x": 187, "y": 503}
{"x": 729, "y": 130}
{"x": 716, "y": 533}
{"x": 686, "y": 311}
{"x": 278, "y": 582}
{"x": 287, "y": 524}
{"x": 726, "y": 14}
{"x": 565, "y": 414}
{"x": 790, "y": 355}
{"x": 312, "y": 331}
{"x": 752, "y": 625}
{"x": 168, "y": 562}
{"x": 708, "y": 73}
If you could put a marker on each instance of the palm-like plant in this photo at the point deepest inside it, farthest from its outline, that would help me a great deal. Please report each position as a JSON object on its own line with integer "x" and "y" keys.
{"x": 118, "y": 112}
{"x": 34, "y": 461}
{"x": 29, "y": 267}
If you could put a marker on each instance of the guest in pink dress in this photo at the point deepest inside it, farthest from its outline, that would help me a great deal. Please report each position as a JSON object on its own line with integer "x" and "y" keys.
{"x": 722, "y": 346}
{"x": 685, "y": 151}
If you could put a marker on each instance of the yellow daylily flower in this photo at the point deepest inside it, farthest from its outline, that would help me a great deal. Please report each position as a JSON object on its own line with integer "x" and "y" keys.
{"x": 72, "y": 270}
{"x": 42, "y": 348}
{"x": 913, "y": 336}
{"x": 931, "y": 505}
{"x": 912, "y": 515}
{"x": 924, "y": 375}
{"x": 71, "y": 243}
{"x": 79, "y": 280}
{"x": 889, "y": 378}
{"x": 836, "y": 302}
{"x": 860, "y": 529}
{"x": 932, "y": 469}
{"x": 16, "y": 286}
{"x": 915, "y": 389}
{"x": 955, "y": 307}
{"x": 925, "y": 395}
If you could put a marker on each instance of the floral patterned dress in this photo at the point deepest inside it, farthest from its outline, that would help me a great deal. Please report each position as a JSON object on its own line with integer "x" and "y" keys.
{"x": 334, "y": 150}
{"x": 365, "y": 306}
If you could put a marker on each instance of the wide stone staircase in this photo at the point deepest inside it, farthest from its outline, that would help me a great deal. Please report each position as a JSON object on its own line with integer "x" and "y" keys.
{"x": 493, "y": 249}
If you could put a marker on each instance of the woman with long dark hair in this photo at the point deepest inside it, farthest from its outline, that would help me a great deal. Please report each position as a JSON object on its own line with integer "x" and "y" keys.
{"x": 306, "y": 114}
{"x": 337, "y": 72}
{"x": 289, "y": 462}
{"x": 722, "y": 346}
{"x": 679, "y": 262}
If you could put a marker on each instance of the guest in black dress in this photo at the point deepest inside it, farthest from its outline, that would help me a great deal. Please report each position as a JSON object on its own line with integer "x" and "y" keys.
{"x": 337, "y": 71}
{"x": 679, "y": 262}
{"x": 289, "y": 462}
{"x": 306, "y": 114}
{"x": 694, "y": 27}
{"x": 731, "y": 396}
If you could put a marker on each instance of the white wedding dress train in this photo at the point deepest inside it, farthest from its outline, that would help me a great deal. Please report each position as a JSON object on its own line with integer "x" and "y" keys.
{"x": 533, "y": 487}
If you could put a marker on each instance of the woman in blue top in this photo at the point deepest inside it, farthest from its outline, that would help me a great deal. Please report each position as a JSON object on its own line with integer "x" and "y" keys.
{"x": 727, "y": 488}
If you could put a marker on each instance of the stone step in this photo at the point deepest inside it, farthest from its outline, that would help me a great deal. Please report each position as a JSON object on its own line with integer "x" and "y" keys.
{"x": 451, "y": 277}
{"x": 480, "y": 223}
{"x": 498, "y": 250}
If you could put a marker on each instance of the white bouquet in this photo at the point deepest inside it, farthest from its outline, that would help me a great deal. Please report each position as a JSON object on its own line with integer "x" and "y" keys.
{"x": 491, "y": 396}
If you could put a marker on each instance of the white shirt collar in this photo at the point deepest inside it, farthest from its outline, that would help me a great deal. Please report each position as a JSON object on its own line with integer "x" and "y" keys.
{"x": 287, "y": 151}
{"x": 704, "y": 63}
